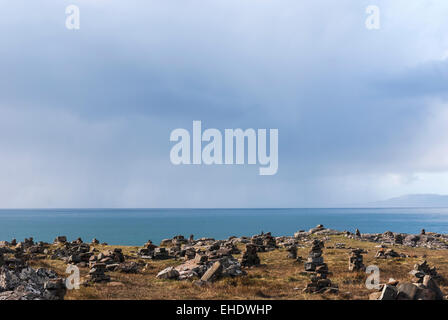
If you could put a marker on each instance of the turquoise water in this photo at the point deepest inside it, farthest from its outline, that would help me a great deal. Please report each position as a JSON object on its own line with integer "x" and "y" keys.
{"x": 136, "y": 226}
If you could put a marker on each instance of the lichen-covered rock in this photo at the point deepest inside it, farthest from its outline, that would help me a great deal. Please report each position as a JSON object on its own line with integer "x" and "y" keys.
{"x": 128, "y": 267}
{"x": 168, "y": 273}
{"x": 427, "y": 289}
{"x": 30, "y": 284}
{"x": 213, "y": 273}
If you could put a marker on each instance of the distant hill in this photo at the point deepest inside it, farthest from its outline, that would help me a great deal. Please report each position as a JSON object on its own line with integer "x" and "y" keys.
{"x": 414, "y": 200}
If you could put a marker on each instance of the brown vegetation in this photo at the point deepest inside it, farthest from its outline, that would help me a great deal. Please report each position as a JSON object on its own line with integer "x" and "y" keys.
{"x": 277, "y": 278}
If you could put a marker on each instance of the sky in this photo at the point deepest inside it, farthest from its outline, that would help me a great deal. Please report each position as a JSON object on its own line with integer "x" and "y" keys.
{"x": 86, "y": 115}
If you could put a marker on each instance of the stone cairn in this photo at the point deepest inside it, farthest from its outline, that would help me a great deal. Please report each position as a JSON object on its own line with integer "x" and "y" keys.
{"x": 319, "y": 271}
{"x": 292, "y": 252}
{"x": 151, "y": 251}
{"x": 96, "y": 273}
{"x": 250, "y": 257}
{"x": 355, "y": 261}
{"x": 77, "y": 241}
{"x": 398, "y": 238}
{"x": 423, "y": 269}
{"x": 55, "y": 289}
{"x": 424, "y": 286}
{"x": 60, "y": 240}
{"x": 264, "y": 242}
{"x": 112, "y": 259}
{"x": 315, "y": 258}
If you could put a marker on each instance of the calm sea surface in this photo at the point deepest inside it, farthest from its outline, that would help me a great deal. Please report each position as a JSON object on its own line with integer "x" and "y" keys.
{"x": 136, "y": 226}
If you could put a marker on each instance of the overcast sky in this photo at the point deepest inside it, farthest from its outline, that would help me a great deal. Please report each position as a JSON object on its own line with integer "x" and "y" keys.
{"x": 86, "y": 115}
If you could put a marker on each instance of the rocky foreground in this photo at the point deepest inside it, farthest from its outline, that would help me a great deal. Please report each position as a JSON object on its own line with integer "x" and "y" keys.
{"x": 316, "y": 264}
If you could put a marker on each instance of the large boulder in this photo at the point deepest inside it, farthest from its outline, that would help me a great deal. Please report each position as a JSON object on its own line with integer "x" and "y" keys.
{"x": 407, "y": 291}
{"x": 168, "y": 273}
{"x": 428, "y": 290}
{"x": 388, "y": 293}
{"x": 128, "y": 267}
{"x": 431, "y": 284}
{"x": 30, "y": 284}
{"x": 213, "y": 273}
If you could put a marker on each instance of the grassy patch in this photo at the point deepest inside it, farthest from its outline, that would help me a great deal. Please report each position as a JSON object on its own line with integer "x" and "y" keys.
{"x": 278, "y": 278}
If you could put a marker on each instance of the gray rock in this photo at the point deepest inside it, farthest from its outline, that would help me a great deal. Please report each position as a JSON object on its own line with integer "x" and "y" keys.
{"x": 213, "y": 273}
{"x": 168, "y": 273}
{"x": 30, "y": 284}
{"x": 407, "y": 291}
{"x": 389, "y": 293}
{"x": 429, "y": 282}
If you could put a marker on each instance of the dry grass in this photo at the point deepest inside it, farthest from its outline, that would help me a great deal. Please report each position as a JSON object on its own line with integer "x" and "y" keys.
{"x": 277, "y": 278}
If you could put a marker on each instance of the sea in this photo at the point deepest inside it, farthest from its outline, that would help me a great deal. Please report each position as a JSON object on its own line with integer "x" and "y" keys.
{"x": 136, "y": 226}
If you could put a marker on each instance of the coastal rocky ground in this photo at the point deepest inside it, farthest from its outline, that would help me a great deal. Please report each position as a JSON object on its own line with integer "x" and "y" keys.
{"x": 319, "y": 263}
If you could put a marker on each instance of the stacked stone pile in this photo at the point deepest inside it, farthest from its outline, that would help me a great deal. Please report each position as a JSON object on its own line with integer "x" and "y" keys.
{"x": 318, "y": 230}
{"x": 207, "y": 267}
{"x": 319, "y": 271}
{"x": 292, "y": 252}
{"x": 315, "y": 258}
{"x": 355, "y": 261}
{"x": 189, "y": 253}
{"x": 286, "y": 242}
{"x": 160, "y": 254}
{"x": 425, "y": 287}
{"x": 151, "y": 251}
{"x": 75, "y": 252}
{"x": 38, "y": 248}
{"x": 428, "y": 240}
{"x": 111, "y": 256}
{"x": 250, "y": 257}
{"x": 176, "y": 240}
{"x": 147, "y": 250}
{"x": 264, "y": 242}
{"x": 112, "y": 259}
{"x": 60, "y": 240}
{"x": 233, "y": 249}
{"x": 77, "y": 241}
{"x": 97, "y": 273}
{"x": 423, "y": 269}
{"x": 11, "y": 259}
